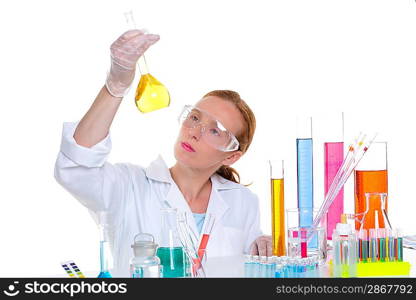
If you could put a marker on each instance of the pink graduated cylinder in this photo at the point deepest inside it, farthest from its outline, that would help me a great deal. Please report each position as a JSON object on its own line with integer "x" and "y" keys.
{"x": 334, "y": 155}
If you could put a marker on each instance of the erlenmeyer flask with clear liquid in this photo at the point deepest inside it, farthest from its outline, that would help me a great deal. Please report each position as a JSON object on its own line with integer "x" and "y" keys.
{"x": 150, "y": 94}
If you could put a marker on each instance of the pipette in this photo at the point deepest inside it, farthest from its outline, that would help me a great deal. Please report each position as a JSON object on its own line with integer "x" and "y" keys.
{"x": 343, "y": 174}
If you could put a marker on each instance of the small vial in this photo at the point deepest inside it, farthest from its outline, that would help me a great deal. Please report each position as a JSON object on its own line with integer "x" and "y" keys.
{"x": 248, "y": 266}
{"x": 256, "y": 266}
{"x": 263, "y": 266}
{"x": 373, "y": 249}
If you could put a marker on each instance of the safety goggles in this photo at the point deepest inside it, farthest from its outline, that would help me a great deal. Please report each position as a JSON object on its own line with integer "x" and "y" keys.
{"x": 212, "y": 131}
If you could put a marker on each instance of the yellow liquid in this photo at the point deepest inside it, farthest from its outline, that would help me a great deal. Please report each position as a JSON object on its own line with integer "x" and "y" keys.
{"x": 278, "y": 217}
{"x": 151, "y": 94}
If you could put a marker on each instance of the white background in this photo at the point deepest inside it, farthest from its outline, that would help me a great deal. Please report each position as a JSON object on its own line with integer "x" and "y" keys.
{"x": 283, "y": 57}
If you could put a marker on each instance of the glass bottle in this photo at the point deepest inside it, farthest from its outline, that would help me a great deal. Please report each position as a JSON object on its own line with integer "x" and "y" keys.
{"x": 145, "y": 263}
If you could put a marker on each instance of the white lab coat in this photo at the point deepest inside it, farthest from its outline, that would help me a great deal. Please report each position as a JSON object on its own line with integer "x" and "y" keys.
{"x": 134, "y": 196}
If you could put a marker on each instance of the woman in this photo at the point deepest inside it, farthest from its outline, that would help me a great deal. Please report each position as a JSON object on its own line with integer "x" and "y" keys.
{"x": 215, "y": 133}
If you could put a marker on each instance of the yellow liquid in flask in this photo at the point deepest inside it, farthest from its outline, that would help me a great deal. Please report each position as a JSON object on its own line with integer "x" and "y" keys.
{"x": 151, "y": 94}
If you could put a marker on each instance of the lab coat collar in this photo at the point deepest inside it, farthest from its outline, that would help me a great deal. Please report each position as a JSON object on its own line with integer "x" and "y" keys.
{"x": 217, "y": 206}
{"x": 159, "y": 171}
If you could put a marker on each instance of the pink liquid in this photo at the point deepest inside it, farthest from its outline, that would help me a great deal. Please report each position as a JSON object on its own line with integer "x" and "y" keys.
{"x": 334, "y": 155}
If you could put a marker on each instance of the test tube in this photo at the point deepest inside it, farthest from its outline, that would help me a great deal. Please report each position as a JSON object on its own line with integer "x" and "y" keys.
{"x": 381, "y": 235}
{"x": 291, "y": 265}
{"x": 304, "y": 150}
{"x": 293, "y": 242}
{"x": 363, "y": 245}
{"x": 256, "y": 266}
{"x": 390, "y": 243}
{"x": 352, "y": 255}
{"x": 303, "y": 243}
{"x": 373, "y": 245}
{"x": 263, "y": 266}
{"x": 279, "y": 268}
{"x": 248, "y": 266}
{"x": 337, "y": 263}
{"x": 399, "y": 245}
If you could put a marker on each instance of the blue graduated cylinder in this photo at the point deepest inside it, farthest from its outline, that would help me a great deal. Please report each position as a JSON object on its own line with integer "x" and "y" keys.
{"x": 305, "y": 180}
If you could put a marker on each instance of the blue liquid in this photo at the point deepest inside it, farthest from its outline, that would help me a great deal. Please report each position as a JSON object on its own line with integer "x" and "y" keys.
{"x": 173, "y": 261}
{"x": 305, "y": 181}
{"x": 105, "y": 275}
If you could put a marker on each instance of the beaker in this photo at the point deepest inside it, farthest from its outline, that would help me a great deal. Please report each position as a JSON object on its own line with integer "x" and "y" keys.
{"x": 301, "y": 237}
{"x": 370, "y": 177}
{"x": 151, "y": 94}
{"x": 333, "y": 158}
{"x": 304, "y": 147}
{"x": 170, "y": 251}
{"x": 278, "y": 207}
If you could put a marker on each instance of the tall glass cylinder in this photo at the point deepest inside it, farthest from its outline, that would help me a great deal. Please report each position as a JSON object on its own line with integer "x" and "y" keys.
{"x": 371, "y": 177}
{"x": 304, "y": 152}
{"x": 333, "y": 158}
{"x": 278, "y": 207}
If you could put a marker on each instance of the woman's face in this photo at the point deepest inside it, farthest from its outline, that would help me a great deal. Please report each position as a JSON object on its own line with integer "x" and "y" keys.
{"x": 192, "y": 151}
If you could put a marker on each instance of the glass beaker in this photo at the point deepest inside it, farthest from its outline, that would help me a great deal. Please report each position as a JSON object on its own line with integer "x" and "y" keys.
{"x": 278, "y": 207}
{"x": 370, "y": 177}
{"x": 145, "y": 263}
{"x": 314, "y": 241}
{"x": 333, "y": 158}
{"x": 170, "y": 251}
{"x": 304, "y": 147}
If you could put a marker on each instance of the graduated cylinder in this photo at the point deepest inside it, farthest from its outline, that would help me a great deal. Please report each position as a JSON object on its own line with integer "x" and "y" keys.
{"x": 278, "y": 207}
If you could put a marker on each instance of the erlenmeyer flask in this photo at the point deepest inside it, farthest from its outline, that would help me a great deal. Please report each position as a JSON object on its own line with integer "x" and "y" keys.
{"x": 375, "y": 215}
{"x": 170, "y": 251}
{"x": 151, "y": 94}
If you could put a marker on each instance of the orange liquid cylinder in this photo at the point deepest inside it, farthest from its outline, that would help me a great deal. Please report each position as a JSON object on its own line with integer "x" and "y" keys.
{"x": 369, "y": 182}
{"x": 278, "y": 217}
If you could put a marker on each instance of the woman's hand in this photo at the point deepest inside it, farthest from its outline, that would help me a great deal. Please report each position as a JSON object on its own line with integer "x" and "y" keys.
{"x": 262, "y": 246}
{"x": 125, "y": 52}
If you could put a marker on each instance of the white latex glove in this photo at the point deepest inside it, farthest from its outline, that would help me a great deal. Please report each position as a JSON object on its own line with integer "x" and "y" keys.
{"x": 262, "y": 246}
{"x": 125, "y": 52}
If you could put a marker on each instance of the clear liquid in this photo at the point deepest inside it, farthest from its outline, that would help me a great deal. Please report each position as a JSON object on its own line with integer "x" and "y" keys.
{"x": 305, "y": 181}
{"x": 152, "y": 271}
{"x": 173, "y": 261}
{"x": 151, "y": 94}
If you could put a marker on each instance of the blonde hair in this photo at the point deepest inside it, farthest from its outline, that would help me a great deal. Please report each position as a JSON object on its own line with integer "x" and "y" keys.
{"x": 245, "y": 136}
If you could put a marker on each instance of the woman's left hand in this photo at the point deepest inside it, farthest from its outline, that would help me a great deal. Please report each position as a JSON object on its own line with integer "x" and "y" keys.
{"x": 262, "y": 246}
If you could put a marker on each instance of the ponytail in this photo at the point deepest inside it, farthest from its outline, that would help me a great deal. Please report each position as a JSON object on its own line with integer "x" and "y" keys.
{"x": 229, "y": 173}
